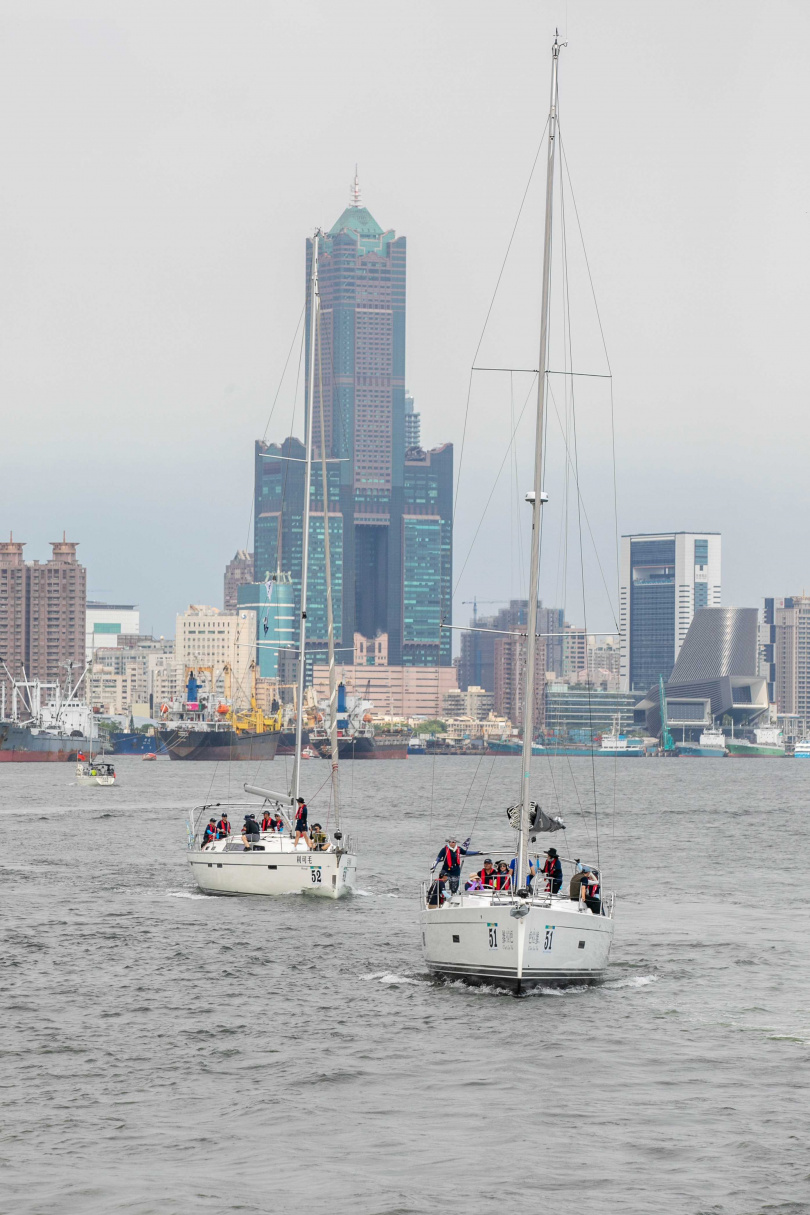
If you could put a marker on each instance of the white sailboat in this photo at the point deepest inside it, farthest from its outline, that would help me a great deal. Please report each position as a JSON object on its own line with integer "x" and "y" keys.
{"x": 527, "y": 936}
{"x": 270, "y": 862}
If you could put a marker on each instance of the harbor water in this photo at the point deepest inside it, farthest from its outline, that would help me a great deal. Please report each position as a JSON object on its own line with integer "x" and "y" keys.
{"x": 169, "y": 1053}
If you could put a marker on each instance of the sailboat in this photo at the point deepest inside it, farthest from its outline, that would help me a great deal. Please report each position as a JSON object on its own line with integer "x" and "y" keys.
{"x": 270, "y": 862}
{"x": 525, "y": 936}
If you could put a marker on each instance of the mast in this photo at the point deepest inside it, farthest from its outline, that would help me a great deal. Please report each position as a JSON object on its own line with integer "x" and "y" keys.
{"x": 330, "y": 619}
{"x": 535, "y": 498}
{"x": 302, "y": 631}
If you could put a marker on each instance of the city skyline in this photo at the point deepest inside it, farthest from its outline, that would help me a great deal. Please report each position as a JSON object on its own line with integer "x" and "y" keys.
{"x": 168, "y": 319}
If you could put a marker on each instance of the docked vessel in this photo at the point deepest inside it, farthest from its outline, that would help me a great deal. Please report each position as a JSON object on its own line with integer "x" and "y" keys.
{"x": 617, "y": 744}
{"x": 416, "y": 746}
{"x": 356, "y": 735}
{"x": 710, "y": 745}
{"x": 520, "y": 936}
{"x": 200, "y": 732}
{"x": 42, "y": 730}
{"x": 271, "y": 862}
{"x": 767, "y": 744}
{"x": 128, "y": 743}
{"x": 802, "y": 749}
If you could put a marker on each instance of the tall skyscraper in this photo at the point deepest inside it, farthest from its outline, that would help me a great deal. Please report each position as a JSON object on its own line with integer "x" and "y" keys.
{"x": 42, "y": 614}
{"x": 238, "y": 572}
{"x": 665, "y": 578}
{"x": 390, "y": 513}
{"x": 785, "y": 656}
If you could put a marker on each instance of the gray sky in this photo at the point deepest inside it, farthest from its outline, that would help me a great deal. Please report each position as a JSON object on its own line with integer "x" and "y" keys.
{"x": 163, "y": 164}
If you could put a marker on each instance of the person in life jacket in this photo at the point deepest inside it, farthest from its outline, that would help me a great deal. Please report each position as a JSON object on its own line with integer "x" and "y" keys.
{"x": 487, "y": 874}
{"x": 223, "y": 827}
{"x": 210, "y": 833}
{"x": 592, "y": 898}
{"x": 301, "y": 832}
{"x": 502, "y": 877}
{"x": 450, "y": 860}
{"x": 552, "y": 871}
{"x": 320, "y": 839}
{"x": 268, "y": 821}
{"x": 436, "y": 895}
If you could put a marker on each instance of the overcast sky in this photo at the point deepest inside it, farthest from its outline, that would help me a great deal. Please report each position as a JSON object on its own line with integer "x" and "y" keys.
{"x": 164, "y": 162}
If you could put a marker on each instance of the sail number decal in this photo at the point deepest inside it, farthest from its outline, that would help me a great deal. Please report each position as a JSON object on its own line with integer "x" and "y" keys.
{"x": 493, "y": 935}
{"x": 315, "y": 871}
{"x": 548, "y": 940}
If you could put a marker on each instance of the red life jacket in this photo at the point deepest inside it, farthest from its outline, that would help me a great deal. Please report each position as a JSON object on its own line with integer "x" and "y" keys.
{"x": 224, "y": 827}
{"x": 209, "y": 834}
{"x": 487, "y": 878}
{"x": 452, "y": 860}
{"x": 502, "y": 880}
{"x": 268, "y": 823}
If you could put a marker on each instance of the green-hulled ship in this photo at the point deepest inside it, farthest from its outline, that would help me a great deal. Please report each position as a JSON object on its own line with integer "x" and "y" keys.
{"x": 768, "y": 744}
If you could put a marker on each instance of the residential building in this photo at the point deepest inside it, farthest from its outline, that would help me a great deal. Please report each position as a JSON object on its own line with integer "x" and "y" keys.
{"x": 42, "y": 615}
{"x": 475, "y": 703}
{"x": 395, "y": 691}
{"x": 665, "y": 579}
{"x": 135, "y": 676}
{"x": 220, "y": 646}
{"x": 786, "y": 657}
{"x": 575, "y": 653}
{"x": 105, "y": 622}
{"x": 238, "y": 572}
{"x": 459, "y": 729}
{"x": 476, "y": 664}
{"x": 389, "y": 502}
{"x": 510, "y": 678}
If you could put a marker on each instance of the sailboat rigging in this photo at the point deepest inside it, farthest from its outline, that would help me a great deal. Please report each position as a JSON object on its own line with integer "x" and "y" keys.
{"x": 269, "y": 861}
{"x": 514, "y": 934}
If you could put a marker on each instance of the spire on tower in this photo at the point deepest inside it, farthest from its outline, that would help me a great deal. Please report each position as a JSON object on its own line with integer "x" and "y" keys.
{"x": 355, "y": 200}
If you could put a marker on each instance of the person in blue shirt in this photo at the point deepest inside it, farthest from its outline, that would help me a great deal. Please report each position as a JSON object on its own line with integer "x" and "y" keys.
{"x": 450, "y": 860}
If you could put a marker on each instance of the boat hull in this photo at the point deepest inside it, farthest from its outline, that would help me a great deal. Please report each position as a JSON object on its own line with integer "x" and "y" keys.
{"x": 738, "y": 751}
{"x": 693, "y": 751}
{"x": 219, "y": 745}
{"x": 363, "y": 746}
{"x": 20, "y": 745}
{"x": 327, "y": 875}
{"x": 556, "y": 944}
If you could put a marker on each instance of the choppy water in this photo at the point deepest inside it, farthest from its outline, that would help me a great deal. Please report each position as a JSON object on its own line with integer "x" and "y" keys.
{"x": 165, "y": 1052}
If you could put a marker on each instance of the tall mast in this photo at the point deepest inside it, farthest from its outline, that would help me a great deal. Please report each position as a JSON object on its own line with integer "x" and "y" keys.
{"x": 308, "y": 413}
{"x": 330, "y": 616}
{"x": 536, "y": 497}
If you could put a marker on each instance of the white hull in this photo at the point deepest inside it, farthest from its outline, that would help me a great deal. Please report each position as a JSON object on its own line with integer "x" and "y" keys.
{"x": 280, "y": 869}
{"x": 95, "y": 780}
{"x": 477, "y": 939}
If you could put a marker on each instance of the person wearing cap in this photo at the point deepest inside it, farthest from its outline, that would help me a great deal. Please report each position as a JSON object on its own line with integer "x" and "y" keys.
{"x": 487, "y": 874}
{"x": 210, "y": 833}
{"x": 251, "y": 832}
{"x": 579, "y": 883}
{"x": 502, "y": 876}
{"x": 552, "y": 871}
{"x": 223, "y": 826}
{"x": 320, "y": 840}
{"x": 450, "y": 860}
{"x": 301, "y": 831}
{"x": 436, "y": 895}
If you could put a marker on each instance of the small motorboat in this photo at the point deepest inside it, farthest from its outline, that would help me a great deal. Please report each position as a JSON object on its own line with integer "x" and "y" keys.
{"x": 149, "y": 755}
{"x": 309, "y": 753}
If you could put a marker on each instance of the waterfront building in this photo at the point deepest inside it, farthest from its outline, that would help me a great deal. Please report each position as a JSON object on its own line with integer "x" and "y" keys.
{"x": 579, "y": 712}
{"x": 476, "y": 663}
{"x": 220, "y": 646}
{"x": 105, "y": 622}
{"x": 238, "y": 572}
{"x": 135, "y": 676}
{"x": 390, "y": 503}
{"x": 665, "y": 579}
{"x": 716, "y": 678}
{"x": 575, "y": 653}
{"x": 510, "y": 667}
{"x": 785, "y": 655}
{"x": 413, "y": 426}
{"x": 42, "y": 615}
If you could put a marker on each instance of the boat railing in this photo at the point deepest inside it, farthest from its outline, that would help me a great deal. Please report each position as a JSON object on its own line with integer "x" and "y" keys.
{"x": 504, "y": 898}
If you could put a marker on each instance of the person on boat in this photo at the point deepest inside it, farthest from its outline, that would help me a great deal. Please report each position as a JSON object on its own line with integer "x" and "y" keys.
{"x": 268, "y": 821}
{"x": 223, "y": 827}
{"x": 552, "y": 871}
{"x": 592, "y": 897}
{"x": 301, "y": 832}
{"x": 250, "y": 832}
{"x": 502, "y": 877}
{"x": 450, "y": 860}
{"x": 578, "y": 880}
{"x": 210, "y": 833}
{"x": 320, "y": 840}
{"x": 436, "y": 894}
{"x": 487, "y": 874}
{"x": 474, "y": 883}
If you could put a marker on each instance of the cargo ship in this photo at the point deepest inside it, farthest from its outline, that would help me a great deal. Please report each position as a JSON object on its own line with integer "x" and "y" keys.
{"x": 357, "y": 738}
{"x": 195, "y": 730}
{"x": 711, "y": 745}
{"x": 767, "y": 744}
{"x": 54, "y": 732}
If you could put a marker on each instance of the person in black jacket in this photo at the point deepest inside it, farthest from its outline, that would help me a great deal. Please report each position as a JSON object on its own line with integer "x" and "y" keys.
{"x": 552, "y": 871}
{"x": 450, "y": 860}
{"x": 210, "y": 833}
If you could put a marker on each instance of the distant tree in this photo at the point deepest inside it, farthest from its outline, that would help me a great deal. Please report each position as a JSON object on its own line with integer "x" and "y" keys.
{"x": 431, "y": 727}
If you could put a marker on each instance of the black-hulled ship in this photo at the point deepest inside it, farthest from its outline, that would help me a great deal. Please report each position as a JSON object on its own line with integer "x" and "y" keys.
{"x": 231, "y": 735}
{"x": 357, "y": 738}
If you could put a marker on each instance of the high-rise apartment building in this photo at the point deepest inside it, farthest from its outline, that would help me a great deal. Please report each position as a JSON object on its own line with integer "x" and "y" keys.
{"x": 42, "y": 614}
{"x": 665, "y": 578}
{"x": 510, "y": 680}
{"x": 219, "y": 645}
{"x": 238, "y": 572}
{"x": 477, "y": 665}
{"x": 785, "y": 638}
{"x": 390, "y": 503}
{"x": 106, "y": 622}
{"x": 413, "y": 424}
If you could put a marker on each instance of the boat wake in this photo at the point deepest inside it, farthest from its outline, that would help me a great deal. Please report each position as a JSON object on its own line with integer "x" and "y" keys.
{"x": 635, "y": 981}
{"x": 388, "y": 979}
{"x": 184, "y": 894}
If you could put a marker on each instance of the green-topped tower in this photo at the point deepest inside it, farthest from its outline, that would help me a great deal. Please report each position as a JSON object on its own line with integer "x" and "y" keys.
{"x": 390, "y": 522}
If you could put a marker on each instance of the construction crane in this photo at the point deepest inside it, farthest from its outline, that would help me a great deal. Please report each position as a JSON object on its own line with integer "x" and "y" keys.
{"x": 475, "y": 602}
{"x": 667, "y": 745}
